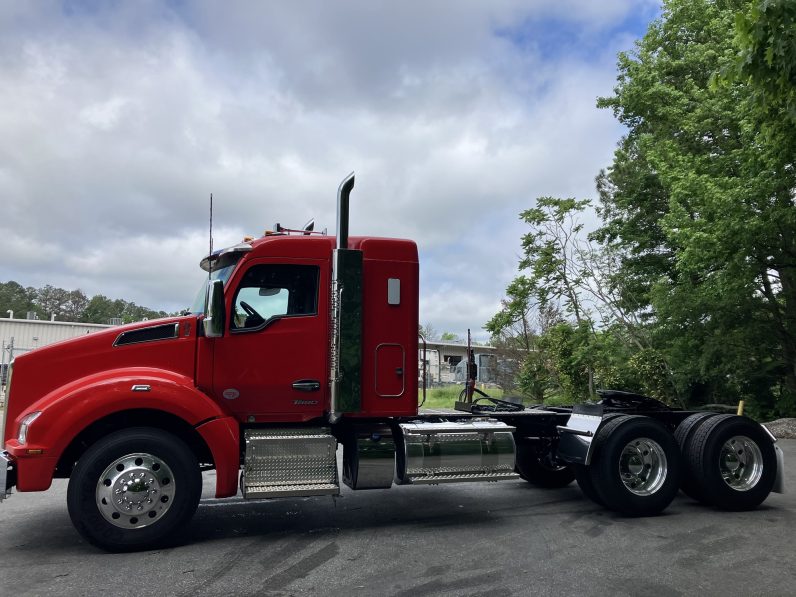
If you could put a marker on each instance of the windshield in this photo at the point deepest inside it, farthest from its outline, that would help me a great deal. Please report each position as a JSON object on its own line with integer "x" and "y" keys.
{"x": 221, "y": 272}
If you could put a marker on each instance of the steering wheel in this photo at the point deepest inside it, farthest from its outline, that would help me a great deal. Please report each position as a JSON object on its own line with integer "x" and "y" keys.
{"x": 250, "y": 310}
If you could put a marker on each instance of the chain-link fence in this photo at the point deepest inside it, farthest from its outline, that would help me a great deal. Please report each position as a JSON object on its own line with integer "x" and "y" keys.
{"x": 8, "y": 350}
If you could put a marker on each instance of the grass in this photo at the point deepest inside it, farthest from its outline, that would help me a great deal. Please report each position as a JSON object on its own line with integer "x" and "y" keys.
{"x": 446, "y": 396}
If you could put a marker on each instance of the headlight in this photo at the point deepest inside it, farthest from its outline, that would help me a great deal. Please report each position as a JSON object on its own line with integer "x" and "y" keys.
{"x": 24, "y": 424}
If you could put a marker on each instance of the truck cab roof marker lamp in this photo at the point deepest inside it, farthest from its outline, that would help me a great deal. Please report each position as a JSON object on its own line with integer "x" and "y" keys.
{"x": 307, "y": 230}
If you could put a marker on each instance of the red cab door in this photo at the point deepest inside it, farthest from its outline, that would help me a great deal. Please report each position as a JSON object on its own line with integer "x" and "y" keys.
{"x": 271, "y": 364}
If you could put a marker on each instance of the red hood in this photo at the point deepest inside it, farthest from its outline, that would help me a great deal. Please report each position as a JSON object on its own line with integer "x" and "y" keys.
{"x": 44, "y": 370}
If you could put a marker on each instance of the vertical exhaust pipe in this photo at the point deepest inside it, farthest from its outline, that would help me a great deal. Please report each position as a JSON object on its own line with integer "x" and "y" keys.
{"x": 343, "y": 197}
{"x": 345, "y": 395}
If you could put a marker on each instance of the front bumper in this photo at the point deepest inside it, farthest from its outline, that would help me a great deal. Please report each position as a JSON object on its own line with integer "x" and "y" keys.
{"x": 8, "y": 475}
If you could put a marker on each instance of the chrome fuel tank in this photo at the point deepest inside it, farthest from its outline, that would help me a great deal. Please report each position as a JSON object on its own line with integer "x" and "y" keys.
{"x": 455, "y": 451}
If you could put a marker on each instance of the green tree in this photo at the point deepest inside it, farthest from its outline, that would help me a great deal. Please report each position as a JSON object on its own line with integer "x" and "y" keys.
{"x": 449, "y": 337}
{"x": 14, "y": 297}
{"x": 699, "y": 203}
{"x": 766, "y": 36}
{"x": 101, "y": 309}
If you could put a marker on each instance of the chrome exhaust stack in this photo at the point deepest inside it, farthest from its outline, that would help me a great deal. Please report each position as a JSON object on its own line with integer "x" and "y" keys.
{"x": 346, "y": 316}
{"x": 343, "y": 200}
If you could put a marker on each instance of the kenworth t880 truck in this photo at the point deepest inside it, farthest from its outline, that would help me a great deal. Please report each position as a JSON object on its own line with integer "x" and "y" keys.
{"x": 301, "y": 342}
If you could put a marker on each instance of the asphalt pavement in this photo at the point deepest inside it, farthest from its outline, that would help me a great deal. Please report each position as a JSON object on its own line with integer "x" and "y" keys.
{"x": 505, "y": 538}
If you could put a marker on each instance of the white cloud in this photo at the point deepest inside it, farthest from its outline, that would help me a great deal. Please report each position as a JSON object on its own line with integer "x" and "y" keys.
{"x": 119, "y": 120}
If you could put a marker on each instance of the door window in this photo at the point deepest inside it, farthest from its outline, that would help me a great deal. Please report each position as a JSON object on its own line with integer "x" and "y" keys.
{"x": 269, "y": 292}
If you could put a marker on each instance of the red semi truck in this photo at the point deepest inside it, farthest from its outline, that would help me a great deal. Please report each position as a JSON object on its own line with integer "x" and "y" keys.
{"x": 300, "y": 342}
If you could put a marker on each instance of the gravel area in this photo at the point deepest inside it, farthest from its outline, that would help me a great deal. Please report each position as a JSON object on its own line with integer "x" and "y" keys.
{"x": 782, "y": 428}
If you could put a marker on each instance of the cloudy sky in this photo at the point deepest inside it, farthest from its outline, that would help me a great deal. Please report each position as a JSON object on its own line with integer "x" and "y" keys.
{"x": 118, "y": 119}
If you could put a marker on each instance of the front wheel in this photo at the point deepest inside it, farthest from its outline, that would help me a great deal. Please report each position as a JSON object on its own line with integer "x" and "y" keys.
{"x": 134, "y": 489}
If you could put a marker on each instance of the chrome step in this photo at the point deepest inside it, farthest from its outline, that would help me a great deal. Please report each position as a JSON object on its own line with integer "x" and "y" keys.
{"x": 463, "y": 478}
{"x": 289, "y": 462}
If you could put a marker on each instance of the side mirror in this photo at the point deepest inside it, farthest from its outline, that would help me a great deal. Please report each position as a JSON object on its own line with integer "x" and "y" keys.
{"x": 214, "y": 310}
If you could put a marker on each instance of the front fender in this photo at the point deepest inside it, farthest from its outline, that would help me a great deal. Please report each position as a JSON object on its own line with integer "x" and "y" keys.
{"x": 68, "y": 410}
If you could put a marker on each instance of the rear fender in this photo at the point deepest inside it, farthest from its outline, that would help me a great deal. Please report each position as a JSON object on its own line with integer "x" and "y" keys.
{"x": 575, "y": 438}
{"x": 223, "y": 439}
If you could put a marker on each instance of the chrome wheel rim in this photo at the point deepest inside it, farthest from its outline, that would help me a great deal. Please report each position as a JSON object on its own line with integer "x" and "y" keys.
{"x": 741, "y": 463}
{"x": 643, "y": 466}
{"x": 135, "y": 491}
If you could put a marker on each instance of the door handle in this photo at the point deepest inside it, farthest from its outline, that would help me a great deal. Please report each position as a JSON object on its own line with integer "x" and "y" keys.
{"x": 307, "y": 385}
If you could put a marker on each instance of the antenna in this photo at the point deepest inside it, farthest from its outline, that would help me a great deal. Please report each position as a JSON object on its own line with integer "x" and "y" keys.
{"x": 210, "y": 267}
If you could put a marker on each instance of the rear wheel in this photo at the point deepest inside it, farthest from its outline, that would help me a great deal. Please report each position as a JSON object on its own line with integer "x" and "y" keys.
{"x": 683, "y": 436}
{"x": 635, "y": 468}
{"x": 134, "y": 489}
{"x": 540, "y": 468}
{"x": 582, "y": 474}
{"x": 733, "y": 463}
{"x": 583, "y": 477}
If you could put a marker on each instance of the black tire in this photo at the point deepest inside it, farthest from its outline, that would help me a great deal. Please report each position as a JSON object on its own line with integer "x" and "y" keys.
{"x": 540, "y": 469}
{"x": 582, "y": 475}
{"x": 733, "y": 463}
{"x": 156, "y": 478}
{"x": 635, "y": 469}
{"x": 683, "y": 436}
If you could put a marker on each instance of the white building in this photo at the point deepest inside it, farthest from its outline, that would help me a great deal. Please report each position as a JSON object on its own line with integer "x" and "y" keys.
{"x": 446, "y": 361}
{"x": 23, "y": 335}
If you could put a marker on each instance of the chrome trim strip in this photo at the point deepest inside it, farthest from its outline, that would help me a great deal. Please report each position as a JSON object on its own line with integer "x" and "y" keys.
{"x": 175, "y": 334}
{"x": 141, "y": 388}
{"x": 768, "y": 431}
{"x": 335, "y": 299}
{"x": 5, "y": 406}
{"x": 564, "y": 429}
{"x": 5, "y": 461}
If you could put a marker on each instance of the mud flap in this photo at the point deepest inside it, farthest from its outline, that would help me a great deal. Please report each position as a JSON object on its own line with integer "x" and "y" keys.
{"x": 575, "y": 438}
{"x": 779, "y": 482}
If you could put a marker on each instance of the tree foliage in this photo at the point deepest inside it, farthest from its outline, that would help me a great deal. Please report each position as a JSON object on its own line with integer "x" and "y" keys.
{"x": 766, "y": 36}
{"x": 693, "y": 278}
{"x": 69, "y": 305}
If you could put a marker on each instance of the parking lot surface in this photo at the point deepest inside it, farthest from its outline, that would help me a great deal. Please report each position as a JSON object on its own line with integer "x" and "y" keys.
{"x": 505, "y": 538}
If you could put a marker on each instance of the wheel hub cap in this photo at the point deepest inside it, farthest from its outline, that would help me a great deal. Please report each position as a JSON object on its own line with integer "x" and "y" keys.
{"x": 642, "y": 466}
{"x": 741, "y": 463}
{"x": 135, "y": 491}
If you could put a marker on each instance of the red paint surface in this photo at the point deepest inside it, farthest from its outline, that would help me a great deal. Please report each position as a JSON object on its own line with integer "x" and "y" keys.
{"x": 76, "y": 382}
{"x": 385, "y": 258}
{"x": 223, "y": 438}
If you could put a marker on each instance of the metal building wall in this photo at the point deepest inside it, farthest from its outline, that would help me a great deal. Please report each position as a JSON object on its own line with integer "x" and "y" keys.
{"x": 29, "y": 334}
